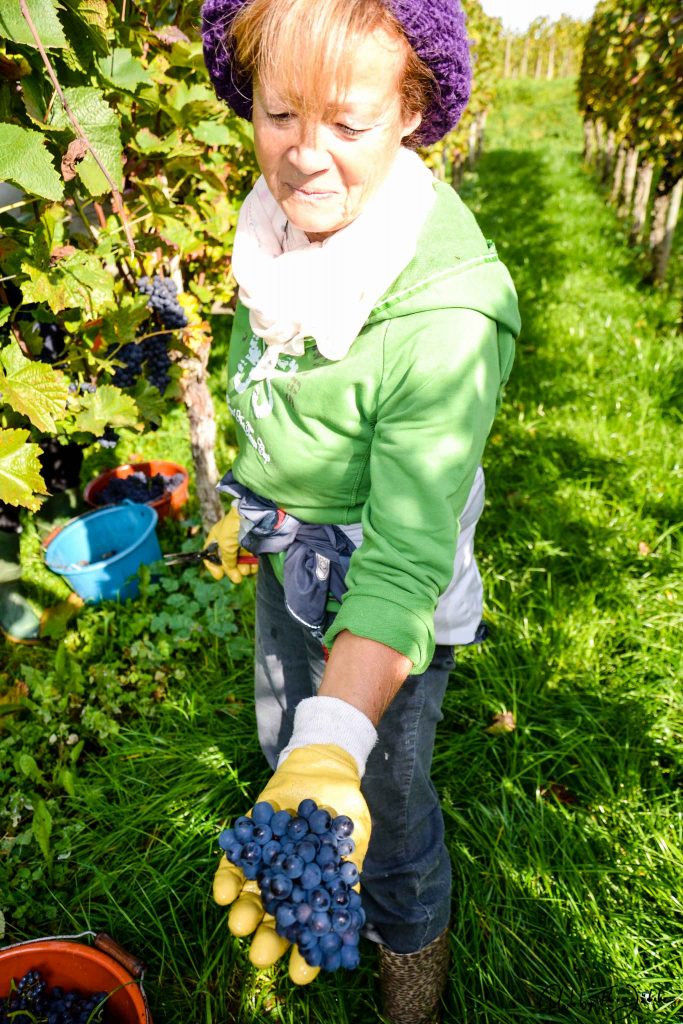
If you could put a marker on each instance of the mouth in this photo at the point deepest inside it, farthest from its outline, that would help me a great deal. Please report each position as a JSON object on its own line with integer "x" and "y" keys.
{"x": 310, "y": 194}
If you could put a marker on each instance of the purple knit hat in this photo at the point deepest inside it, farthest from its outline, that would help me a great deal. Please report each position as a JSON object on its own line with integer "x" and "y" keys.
{"x": 435, "y": 29}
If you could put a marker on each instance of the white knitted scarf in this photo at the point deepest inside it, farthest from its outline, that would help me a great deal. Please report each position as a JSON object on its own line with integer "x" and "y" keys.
{"x": 296, "y": 289}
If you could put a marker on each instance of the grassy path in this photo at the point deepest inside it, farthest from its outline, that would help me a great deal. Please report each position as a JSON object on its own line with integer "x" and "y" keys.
{"x": 566, "y": 834}
{"x": 577, "y": 893}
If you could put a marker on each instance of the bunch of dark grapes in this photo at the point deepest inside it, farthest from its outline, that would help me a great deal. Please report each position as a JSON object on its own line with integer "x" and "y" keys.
{"x": 32, "y": 1002}
{"x": 138, "y": 487}
{"x": 132, "y": 357}
{"x": 157, "y": 360}
{"x": 163, "y": 299}
{"x": 306, "y": 882}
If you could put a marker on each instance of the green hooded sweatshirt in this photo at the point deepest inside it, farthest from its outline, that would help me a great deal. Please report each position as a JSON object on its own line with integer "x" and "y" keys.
{"x": 392, "y": 434}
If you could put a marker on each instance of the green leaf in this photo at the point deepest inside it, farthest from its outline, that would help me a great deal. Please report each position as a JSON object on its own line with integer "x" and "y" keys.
{"x": 86, "y": 23}
{"x": 120, "y": 326}
{"x": 42, "y": 827}
{"x": 108, "y": 406}
{"x": 213, "y": 133}
{"x": 2, "y": 925}
{"x": 20, "y": 470}
{"x": 43, "y": 14}
{"x": 28, "y": 767}
{"x": 78, "y": 280}
{"x": 5, "y": 314}
{"x": 26, "y": 163}
{"x": 123, "y": 70}
{"x": 68, "y": 781}
{"x": 32, "y": 388}
{"x": 151, "y": 403}
{"x": 101, "y": 127}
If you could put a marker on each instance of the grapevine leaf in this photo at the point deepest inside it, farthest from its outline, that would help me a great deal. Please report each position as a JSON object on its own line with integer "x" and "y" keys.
{"x": 42, "y": 827}
{"x": 44, "y": 16}
{"x": 123, "y": 70}
{"x": 101, "y": 127}
{"x": 178, "y": 232}
{"x": 5, "y": 314}
{"x": 151, "y": 403}
{"x": 86, "y": 23}
{"x": 213, "y": 133}
{"x": 32, "y": 388}
{"x": 26, "y": 163}
{"x": 147, "y": 142}
{"x": 20, "y": 470}
{"x": 79, "y": 280}
{"x": 107, "y": 407}
{"x": 121, "y": 325}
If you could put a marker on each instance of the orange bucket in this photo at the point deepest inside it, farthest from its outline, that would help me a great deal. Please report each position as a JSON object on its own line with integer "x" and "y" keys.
{"x": 102, "y": 967}
{"x": 169, "y": 504}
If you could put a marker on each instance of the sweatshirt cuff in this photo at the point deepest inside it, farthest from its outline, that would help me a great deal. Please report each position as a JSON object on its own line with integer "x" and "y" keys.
{"x": 333, "y": 721}
{"x": 389, "y": 623}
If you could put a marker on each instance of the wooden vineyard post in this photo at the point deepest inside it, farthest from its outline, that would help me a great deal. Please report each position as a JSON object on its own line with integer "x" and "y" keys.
{"x": 440, "y": 168}
{"x": 202, "y": 422}
{"x": 524, "y": 66}
{"x": 507, "y": 67}
{"x": 481, "y": 126}
{"x": 618, "y": 177}
{"x": 472, "y": 145}
{"x": 551, "y": 61}
{"x": 458, "y": 166}
{"x": 643, "y": 186}
{"x": 599, "y": 139}
{"x": 630, "y": 169}
{"x": 588, "y": 140}
{"x": 665, "y": 211}
{"x": 608, "y": 155}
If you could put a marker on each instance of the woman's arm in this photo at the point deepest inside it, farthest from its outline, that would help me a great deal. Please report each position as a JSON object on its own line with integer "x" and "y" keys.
{"x": 364, "y": 673}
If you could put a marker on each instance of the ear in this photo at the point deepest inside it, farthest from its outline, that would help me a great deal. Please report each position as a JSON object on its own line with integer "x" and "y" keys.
{"x": 411, "y": 125}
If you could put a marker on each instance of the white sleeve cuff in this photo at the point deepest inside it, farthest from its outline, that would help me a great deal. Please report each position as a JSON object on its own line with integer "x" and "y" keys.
{"x": 331, "y": 720}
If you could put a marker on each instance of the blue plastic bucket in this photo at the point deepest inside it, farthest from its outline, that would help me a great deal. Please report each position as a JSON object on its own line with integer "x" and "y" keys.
{"x": 99, "y": 553}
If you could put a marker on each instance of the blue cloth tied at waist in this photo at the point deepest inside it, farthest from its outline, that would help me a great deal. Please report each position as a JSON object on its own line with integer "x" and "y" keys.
{"x": 317, "y": 557}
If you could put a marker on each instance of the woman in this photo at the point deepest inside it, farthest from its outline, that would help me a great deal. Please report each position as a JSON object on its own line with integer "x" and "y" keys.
{"x": 374, "y": 332}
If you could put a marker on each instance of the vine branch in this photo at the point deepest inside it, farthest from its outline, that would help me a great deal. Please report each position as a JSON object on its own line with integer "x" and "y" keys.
{"x": 116, "y": 195}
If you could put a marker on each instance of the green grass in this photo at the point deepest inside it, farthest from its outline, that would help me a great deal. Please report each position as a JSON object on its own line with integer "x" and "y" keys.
{"x": 566, "y": 834}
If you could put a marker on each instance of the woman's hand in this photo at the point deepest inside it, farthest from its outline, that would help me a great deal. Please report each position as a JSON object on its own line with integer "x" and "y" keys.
{"x": 226, "y": 534}
{"x": 322, "y": 772}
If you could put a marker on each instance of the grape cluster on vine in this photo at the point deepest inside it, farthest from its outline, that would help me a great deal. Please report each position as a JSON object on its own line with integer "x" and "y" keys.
{"x": 163, "y": 299}
{"x": 151, "y": 353}
{"x": 32, "y": 1002}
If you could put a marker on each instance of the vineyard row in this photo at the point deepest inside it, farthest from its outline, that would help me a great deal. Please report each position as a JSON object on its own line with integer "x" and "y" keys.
{"x": 631, "y": 98}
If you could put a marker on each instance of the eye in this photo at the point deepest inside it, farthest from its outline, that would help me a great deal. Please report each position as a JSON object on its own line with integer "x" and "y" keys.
{"x": 352, "y": 133}
{"x": 283, "y": 118}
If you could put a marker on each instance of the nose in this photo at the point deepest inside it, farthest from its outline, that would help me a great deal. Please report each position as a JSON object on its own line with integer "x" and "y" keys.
{"x": 310, "y": 154}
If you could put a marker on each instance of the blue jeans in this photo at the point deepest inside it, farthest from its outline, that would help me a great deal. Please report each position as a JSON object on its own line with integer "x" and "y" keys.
{"x": 406, "y": 880}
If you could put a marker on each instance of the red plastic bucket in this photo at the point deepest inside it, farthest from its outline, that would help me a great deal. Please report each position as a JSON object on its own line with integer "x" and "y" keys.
{"x": 169, "y": 504}
{"x": 102, "y": 967}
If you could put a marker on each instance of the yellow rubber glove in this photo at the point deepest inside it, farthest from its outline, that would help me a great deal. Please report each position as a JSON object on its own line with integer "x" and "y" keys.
{"x": 328, "y": 775}
{"x": 225, "y": 533}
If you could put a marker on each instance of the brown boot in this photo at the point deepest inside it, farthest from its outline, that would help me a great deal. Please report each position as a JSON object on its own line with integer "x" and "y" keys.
{"x": 412, "y": 983}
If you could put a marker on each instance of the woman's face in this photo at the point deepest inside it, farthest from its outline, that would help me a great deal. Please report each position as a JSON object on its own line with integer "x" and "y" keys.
{"x": 323, "y": 170}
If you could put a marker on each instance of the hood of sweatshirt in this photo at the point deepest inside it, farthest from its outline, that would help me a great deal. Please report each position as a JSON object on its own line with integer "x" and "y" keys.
{"x": 456, "y": 267}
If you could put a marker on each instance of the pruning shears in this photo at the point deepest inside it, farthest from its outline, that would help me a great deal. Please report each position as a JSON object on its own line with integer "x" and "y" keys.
{"x": 208, "y": 554}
